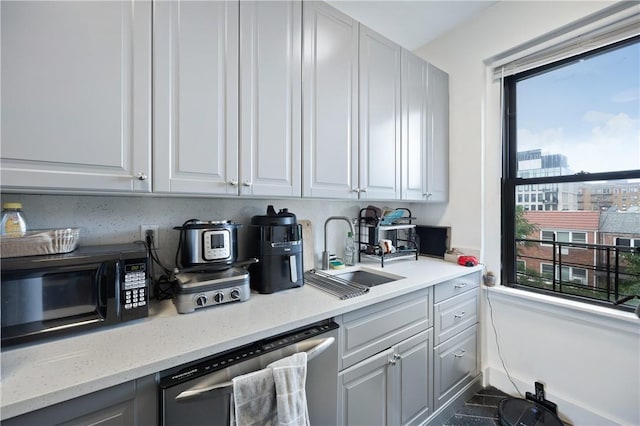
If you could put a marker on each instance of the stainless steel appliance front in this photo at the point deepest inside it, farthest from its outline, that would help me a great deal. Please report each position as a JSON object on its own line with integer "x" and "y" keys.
{"x": 200, "y": 393}
{"x": 50, "y": 295}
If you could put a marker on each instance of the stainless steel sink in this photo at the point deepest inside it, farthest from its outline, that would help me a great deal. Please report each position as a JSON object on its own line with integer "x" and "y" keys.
{"x": 369, "y": 279}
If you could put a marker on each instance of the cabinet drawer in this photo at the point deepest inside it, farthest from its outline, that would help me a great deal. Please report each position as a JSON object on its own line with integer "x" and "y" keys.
{"x": 454, "y": 315}
{"x": 370, "y": 330}
{"x": 456, "y": 364}
{"x": 456, "y": 286}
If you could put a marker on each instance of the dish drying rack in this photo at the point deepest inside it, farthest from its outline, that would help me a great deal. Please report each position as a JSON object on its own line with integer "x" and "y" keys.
{"x": 339, "y": 287}
{"x": 396, "y": 226}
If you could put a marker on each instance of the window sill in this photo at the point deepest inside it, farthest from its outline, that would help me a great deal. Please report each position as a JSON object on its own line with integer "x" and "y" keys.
{"x": 597, "y": 316}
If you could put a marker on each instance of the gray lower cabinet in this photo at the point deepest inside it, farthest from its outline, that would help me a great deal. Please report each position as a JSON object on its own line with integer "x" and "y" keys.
{"x": 392, "y": 387}
{"x": 132, "y": 403}
{"x": 456, "y": 362}
{"x": 386, "y": 362}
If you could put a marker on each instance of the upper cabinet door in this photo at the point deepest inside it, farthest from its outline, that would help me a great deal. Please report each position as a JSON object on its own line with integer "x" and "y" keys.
{"x": 196, "y": 96}
{"x": 270, "y": 98}
{"x": 76, "y": 99}
{"x": 438, "y": 136}
{"x": 330, "y": 102}
{"x": 414, "y": 127}
{"x": 379, "y": 116}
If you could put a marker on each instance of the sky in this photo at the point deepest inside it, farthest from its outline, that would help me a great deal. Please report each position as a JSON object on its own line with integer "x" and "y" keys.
{"x": 588, "y": 111}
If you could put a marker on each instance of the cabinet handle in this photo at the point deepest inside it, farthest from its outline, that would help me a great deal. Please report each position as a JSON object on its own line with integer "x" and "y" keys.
{"x": 461, "y": 285}
{"x": 427, "y": 195}
{"x": 357, "y": 190}
{"x": 460, "y": 315}
{"x": 460, "y": 354}
{"x": 141, "y": 176}
{"x": 247, "y": 183}
{"x": 363, "y": 190}
{"x": 233, "y": 182}
{"x": 396, "y": 356}
{"x": 392, "y": 362}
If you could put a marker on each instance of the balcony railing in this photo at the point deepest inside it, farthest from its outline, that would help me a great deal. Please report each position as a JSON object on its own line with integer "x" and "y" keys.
{"x": 595, "y": 273}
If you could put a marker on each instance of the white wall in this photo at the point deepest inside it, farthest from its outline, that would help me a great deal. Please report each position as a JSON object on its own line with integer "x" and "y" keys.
{"x": 591, "y": 371}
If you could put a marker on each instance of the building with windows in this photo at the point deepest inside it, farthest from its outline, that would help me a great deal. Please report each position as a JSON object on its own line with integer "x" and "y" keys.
{"x": 620, "y": 196}
{"x": 545, "y": 197}
{"x": 560, "y": 243}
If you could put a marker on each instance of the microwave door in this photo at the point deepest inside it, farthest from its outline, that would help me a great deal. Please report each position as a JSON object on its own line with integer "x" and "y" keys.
{"x": 48, "y": 300}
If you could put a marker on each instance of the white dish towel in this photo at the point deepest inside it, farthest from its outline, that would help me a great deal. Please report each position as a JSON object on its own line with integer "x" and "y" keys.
{"x": 274, "y": 396}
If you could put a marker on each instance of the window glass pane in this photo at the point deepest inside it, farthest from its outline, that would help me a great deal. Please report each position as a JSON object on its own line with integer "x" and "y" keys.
{"x": 569, "y": 116}
{"x": 579, "y": 237}
{"x": 623, "y": 242}
{"x": 547, "y": 235}
{"x": 562, "y": 237}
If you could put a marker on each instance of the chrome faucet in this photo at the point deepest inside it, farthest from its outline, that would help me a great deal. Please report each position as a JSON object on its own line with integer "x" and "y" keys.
{"x": 325, "y": 253}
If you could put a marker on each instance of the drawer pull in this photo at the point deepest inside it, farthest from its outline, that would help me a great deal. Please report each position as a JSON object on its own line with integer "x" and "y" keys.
{"x": 460, "y": 354}
{"x": 460, "y": 315}
{"x": 461, "y": 285}
{"x": 392, "y": 362}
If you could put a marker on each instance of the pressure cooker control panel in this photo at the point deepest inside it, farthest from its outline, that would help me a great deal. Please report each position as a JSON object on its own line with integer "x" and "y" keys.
{"x": 216, "y": 244}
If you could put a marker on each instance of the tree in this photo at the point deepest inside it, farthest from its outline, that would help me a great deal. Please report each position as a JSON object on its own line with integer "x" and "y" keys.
{"x": 523, "y": 227}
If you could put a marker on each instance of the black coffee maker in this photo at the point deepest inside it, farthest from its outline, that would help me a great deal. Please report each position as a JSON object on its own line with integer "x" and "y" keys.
{"x": 276, "y": 240}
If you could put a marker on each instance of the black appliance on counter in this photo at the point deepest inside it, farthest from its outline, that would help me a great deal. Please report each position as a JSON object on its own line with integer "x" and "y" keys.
{"x": 276, "y": 240}
{"x": 63, "y": 294}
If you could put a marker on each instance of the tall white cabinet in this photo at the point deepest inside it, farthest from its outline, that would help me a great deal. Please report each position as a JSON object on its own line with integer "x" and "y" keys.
{"x": 425, "y": 131}
{"x": 270, "y": 98}
{"x": 196, "y": 97}
{"x": 379, "y": 173}
{"x": 330, "y": 97}
{"x": 76, "y": 95}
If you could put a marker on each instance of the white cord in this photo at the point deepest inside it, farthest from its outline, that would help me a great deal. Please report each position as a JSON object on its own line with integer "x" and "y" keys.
{"x": 495, "y": 332}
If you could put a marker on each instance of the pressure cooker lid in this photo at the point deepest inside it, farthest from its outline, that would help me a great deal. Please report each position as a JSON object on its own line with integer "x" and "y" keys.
{"x": 281, "y": 218}
{"x": 208, "y": 224}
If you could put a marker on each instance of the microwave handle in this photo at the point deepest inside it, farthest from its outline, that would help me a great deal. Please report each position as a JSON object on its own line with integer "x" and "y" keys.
{"x": 102, "y": 279}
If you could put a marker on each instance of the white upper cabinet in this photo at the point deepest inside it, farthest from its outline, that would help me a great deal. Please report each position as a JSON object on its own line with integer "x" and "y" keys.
{"x": 425, "y": 130}
{"x": 437, "y": 136}
{"x": 414, "y": 127}
{"x": 228, "y": 97}
{"x": 330, "y": 103}
{"x": 379, "y": 173}
{"x": 270, "y": 98}
{"x": 76, "y": 98}
{"x": 196, "y": 97}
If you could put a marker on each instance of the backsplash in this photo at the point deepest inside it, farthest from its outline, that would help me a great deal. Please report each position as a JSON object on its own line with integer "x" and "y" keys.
{"x": 117, "y": 219}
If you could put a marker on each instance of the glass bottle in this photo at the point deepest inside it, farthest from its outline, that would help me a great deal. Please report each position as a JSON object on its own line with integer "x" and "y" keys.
{"x": 13, "y": 222}
{"x": 350, "y": 250}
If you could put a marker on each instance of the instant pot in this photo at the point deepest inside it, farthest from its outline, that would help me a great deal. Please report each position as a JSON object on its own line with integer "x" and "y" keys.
{"x": 211, "y": 243}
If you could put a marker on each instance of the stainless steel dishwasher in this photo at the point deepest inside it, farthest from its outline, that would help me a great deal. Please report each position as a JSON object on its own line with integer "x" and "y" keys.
{"x": 200, "y": 393}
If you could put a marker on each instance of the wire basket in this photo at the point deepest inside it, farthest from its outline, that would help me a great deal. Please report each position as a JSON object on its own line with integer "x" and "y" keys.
{"x": 45, "y": 241}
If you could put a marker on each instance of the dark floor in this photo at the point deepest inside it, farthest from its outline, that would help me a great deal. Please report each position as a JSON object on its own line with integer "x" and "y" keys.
{"x": 480, "y": 410}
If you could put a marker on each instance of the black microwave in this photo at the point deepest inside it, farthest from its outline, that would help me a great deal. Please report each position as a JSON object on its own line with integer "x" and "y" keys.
{"x": 53, "y": 295}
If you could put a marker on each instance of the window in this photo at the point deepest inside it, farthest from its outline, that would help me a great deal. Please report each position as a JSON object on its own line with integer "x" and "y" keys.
{"x": 571, "y": 131}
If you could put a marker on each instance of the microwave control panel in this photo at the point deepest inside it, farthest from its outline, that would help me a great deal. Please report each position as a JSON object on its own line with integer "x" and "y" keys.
{"x": 135, "y": 292}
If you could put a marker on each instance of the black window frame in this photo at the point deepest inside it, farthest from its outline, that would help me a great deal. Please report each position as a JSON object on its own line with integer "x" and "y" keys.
{"x": 510, "y": 180}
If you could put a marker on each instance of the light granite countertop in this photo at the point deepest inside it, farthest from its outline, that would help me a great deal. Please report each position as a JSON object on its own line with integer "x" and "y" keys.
{"x": 44, "y": 374}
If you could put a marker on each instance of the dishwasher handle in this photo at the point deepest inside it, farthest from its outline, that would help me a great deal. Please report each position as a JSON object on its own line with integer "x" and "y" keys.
{"x": 313, "y": 352}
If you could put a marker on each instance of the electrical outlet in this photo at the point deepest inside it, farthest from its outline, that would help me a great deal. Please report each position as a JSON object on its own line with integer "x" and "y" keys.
{"x": 154, "y": 230}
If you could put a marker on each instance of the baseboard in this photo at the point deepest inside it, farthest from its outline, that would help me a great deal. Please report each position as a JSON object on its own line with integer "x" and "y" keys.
{"x": 445, "y": 412}
{"x": 570, "y": 411}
